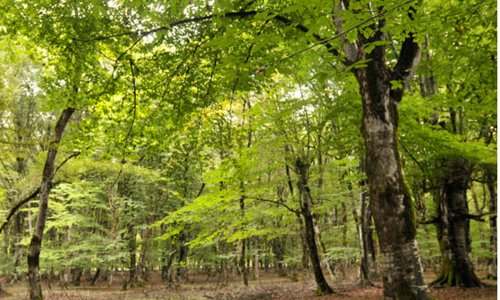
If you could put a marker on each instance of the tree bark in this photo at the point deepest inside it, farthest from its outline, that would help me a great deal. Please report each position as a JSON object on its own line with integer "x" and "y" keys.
{"x": 453, "y": 226}
{"x": 491, "y": 180}
{"x": 278, "y": 249}
{"x": 35, "y": 246}
{"x": 391, "y": 204}
{"x": 368, "y": 266}
{"x": 244, "y": 270}
{"x": 306, "y": 212}
{"x": 142, "y": 267}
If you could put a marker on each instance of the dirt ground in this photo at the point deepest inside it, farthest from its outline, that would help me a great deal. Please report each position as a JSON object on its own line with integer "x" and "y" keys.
{"x": 267, "y": 286}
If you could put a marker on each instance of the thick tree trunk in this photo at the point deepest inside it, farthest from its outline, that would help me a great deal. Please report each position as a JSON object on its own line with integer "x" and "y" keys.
{"x": 491, "y": 180}
{"x": 306, "y": 203}
{"x": 453, "y": 227}
{"x": 391, "y": 204}
{"x": 35, "y": 247}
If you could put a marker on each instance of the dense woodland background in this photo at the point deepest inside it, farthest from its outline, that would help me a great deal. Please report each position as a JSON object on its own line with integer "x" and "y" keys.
{"x": 223, "y": 138}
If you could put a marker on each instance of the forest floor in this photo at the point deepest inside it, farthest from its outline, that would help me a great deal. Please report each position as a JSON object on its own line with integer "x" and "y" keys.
{"x": 267, "y": 286}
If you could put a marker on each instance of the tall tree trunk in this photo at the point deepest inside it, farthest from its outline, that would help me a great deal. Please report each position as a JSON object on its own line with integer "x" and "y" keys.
{"x": 491, "y": 180}
{"x": 306, "y": 211}
{"x": 244, "y": 270}
{"x": 391, "y": 204}
{"x": 363, "y": 220}
{"x": 35, "y": 288}
{"x": 453, "y": 226}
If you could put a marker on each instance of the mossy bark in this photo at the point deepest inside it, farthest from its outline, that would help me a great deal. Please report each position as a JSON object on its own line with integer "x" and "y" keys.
{"x": 453, "y": 226}
{"x": 391, "y": 204}
{"x": 491, "y": 179}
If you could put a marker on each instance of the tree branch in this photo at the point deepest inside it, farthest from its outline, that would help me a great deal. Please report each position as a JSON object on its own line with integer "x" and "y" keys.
{"x": 35, "y": 193}
{"x": 295, "y": 211}
{"x": 18, "y": 206}
{"x": 409, "y": 56}
{"x": 230, "y": 15}
{"x": 434, "y": 220}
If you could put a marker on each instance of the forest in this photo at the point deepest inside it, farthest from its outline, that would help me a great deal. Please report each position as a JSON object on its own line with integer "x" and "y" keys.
{"x": 248, "y": 149}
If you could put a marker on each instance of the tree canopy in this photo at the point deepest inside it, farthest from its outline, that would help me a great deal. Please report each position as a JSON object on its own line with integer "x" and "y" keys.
{"x": 196, "y": 135}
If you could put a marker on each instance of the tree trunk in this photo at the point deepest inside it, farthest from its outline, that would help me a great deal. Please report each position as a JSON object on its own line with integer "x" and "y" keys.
{"x": 181, "y": 261}
{"x": 453, "y": 227}
{"x": 132, "y": 247}
{"x": 322, "y": 249}
{"x": 491, "y": 180}
{"x": 278, "y": 248}
{"x": 35, "y": 288}
{"x": 391, "y": 204}
{"x": 256, "y": 258}
{"x": 244, "y": 270}
{"x": 142, "y": 267}
{"x": 306, "y": 212}
{"x": 95, "y": 277}
{"x": 368, "y": 267}
{"x": 167, "y": 262}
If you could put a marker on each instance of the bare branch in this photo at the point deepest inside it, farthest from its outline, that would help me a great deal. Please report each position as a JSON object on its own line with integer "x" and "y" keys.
{"x": 295, "y": 211}
{"x": 14, "y": 210}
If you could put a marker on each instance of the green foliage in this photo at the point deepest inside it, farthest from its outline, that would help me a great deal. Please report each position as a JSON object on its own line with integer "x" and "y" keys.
{"x": 179, "y": 123}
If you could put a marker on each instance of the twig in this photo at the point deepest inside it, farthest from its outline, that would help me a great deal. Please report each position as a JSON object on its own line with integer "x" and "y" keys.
{"x": 295, "y": 211}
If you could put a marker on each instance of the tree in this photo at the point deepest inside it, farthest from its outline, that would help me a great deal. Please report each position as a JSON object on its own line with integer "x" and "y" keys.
{"x": 452, "y": 122}
{"x": 381, "y": 89}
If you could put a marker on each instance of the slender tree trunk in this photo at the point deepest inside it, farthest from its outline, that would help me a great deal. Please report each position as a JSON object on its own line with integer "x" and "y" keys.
{"x": 363, "y": 220}
{"x": 132, "y": 247}
{"x": 256, "y": 258}
{"x": 322, "y": 249}
{"x": 491, "y": 180}
{"x": 35, "y": 288}
{"x": 244, "y": 270}
{"x": 95, "y": 277}
{"x": 142, "y": 267}
{"x": 453, "y": 227}
{"x": 306, "y": 204}
{"x": 368, "y": 267}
